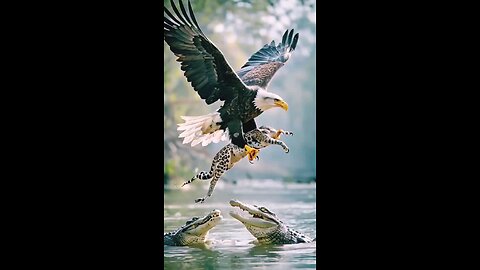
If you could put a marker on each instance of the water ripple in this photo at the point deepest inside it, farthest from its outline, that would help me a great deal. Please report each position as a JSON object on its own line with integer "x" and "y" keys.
{"x": 230, "y": 244}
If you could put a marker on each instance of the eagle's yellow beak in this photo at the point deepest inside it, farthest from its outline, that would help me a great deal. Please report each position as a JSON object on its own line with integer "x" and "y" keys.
{"x": 282, "y": 104}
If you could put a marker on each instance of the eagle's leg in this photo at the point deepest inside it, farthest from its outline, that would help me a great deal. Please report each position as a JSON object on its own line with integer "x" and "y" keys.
{"x": 251, "y": 152}
{"x": 255, "y": 140}
{"x": 235, "y": 128}
{"x": 251, "y": 162}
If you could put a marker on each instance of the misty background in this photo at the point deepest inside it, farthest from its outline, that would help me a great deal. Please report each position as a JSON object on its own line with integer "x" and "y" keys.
{"x": 239, "y": 29}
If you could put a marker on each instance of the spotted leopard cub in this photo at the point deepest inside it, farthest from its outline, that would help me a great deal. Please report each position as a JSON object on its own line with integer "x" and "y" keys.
{"x": 229, "y": 155}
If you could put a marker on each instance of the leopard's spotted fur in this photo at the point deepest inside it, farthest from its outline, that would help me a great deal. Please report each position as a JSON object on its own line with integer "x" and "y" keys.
{"x": 229, "y": 155}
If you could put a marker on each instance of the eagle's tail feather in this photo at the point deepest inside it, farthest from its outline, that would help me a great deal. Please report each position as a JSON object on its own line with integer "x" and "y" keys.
{"x": 186, "y": 118}
{"x": 217, "y": 136}
{"x": 207, "y": 140}
{"x": 203, "y": 129}
{"x": 189, "y": 132}
{"x": 194, "y": 122}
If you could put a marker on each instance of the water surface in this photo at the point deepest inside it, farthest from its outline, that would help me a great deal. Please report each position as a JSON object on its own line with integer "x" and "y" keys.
{"x": 231, "y": 244}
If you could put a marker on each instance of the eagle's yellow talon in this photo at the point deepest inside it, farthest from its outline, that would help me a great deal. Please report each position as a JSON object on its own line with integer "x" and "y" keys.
{"x": 276, "y": 136}
{"x": 251, "y": 152}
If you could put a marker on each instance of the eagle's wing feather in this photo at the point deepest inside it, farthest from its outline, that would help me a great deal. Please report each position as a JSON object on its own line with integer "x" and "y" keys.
{"x": 204, "y": 64}
{"x": 263, "y": 64}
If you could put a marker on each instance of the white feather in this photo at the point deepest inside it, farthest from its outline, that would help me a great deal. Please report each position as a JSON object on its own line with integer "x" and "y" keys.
{"x": 189, "y": 118}
{"x": 189, "y": 122}
{"x": 189, "y": 132}
{"x": 225, "y": 135}
{"x": 207, "y": 140}
{"x": 190, "y": 126}
{"x": 188, "y": 139}
{"x": 217, "y": 136}
{"x": 197, "y": 141}
{"x": 200, "y": 129}
{"x": 206, "y": 123}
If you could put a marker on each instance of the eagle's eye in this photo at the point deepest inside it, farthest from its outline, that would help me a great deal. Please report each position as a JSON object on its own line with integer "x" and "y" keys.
{"x": 276, "y": 99}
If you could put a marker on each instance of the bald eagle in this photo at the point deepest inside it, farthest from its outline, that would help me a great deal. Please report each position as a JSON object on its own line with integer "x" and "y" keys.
{"x": 205, "y": 67}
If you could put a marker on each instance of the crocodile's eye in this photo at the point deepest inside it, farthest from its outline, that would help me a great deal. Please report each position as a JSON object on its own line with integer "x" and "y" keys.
{"x": 265, "y": 210}
{"x": 192, "y": 220}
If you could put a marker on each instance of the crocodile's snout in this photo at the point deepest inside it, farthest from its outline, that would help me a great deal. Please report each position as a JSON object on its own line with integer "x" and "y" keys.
{"x": 234, "y": 203}
{"x": 194, "y": 230}
{"x": 265, "y": 226}
{"x": 216, "y": 213}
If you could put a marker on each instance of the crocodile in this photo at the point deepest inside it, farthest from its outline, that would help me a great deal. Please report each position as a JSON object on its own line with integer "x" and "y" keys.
{"x": 266, "y": 227}
{"x": 194, "y": 231}
{"x": 230, "y": 154}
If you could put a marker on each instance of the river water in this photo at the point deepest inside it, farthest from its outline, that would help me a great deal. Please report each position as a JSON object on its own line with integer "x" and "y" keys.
{"x": 230, "y": 245}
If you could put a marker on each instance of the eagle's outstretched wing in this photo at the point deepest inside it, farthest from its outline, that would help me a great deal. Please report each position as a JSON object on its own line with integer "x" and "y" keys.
{"x": 204, "y": 64}
{"x": 263, "y": 64}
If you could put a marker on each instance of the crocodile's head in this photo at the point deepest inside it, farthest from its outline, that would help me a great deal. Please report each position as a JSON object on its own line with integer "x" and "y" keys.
{"x": 259, "y": 221}
{"x": 200, "y": 226}
{"x": 196, "y": 229}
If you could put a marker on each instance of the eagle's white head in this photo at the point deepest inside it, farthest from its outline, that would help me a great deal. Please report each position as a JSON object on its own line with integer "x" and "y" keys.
{"x": 266, "y": 100}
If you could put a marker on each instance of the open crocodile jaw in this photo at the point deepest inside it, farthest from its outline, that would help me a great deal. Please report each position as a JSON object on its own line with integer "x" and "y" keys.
{"x": 245, "y": 207}
{"x": 207, "y": 223}
{"x": 257, "y": 222}
{"x": 251, "y": 219}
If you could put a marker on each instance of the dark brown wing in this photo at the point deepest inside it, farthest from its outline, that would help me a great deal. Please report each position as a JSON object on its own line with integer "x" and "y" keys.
{"x": 204, "y": 64}
{"x": 263, "y": 64}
